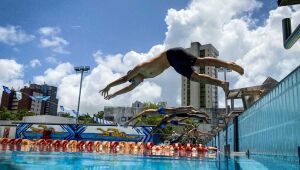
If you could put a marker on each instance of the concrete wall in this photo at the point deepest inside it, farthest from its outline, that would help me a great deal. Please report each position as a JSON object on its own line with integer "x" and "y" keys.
{"x": 272, "y": 124}
{"x": 48, "y": 119}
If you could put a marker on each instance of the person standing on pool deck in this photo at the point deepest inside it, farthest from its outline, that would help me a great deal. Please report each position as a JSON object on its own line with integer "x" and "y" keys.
{"x": 181, "y": 61}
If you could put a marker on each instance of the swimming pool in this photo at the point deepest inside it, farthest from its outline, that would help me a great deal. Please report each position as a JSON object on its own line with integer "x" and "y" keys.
{"x": 80, "y": 160}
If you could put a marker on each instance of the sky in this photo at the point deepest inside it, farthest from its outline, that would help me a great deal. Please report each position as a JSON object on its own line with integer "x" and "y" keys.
{"x": 42, "y": 41}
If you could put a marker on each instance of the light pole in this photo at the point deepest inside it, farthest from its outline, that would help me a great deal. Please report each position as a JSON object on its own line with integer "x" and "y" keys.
{"x": 81, "y": 69}
{"x": 225, "y": 70}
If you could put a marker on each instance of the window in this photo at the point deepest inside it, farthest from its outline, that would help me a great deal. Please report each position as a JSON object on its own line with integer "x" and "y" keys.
{"x": 123, "y": 119}
{"x": 202, "y": 53}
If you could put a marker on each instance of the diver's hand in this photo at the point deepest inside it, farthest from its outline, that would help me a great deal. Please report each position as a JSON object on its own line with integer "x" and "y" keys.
{"x": 110, "y": 96}
{"x": 104, "y": 92}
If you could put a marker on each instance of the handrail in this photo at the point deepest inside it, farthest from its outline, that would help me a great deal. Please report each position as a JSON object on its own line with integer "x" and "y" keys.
{"x": 289, "y": 37}
{"x": 287, "y": 2}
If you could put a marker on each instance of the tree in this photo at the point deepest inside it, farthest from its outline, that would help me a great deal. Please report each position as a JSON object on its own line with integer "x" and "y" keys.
{"x": 99, "y": 115}
{"x": 85, "y": 119}
{"x": 150, "y": 105}
{"x": 6, "y": 114}
{"x": 67, "y": 115}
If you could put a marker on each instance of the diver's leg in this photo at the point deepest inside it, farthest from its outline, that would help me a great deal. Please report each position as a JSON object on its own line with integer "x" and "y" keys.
{"x": 210, "y": 61}
{"x": 202, "y": 78}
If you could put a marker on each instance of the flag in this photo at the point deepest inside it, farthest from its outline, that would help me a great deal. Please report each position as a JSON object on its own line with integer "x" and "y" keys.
{"x": 75, "y": 112}
{"x": 18, "y": 95}
{"x": 6, "y": 90}
{"x": 62, "y": 108}
{"x": 44, "y": 98}
{"x": 103, "y": 121}
{"x": 32, "y": 97}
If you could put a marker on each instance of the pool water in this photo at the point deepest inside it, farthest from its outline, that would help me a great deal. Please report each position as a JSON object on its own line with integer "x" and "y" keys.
{"x": 10, "y": 160}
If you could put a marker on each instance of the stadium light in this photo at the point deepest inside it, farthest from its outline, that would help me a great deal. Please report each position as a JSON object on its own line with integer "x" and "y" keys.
{"x": 81, "y": 69}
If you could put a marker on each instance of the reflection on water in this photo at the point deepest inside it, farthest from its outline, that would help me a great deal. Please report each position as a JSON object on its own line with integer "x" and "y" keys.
{"x": 12, "y": 157}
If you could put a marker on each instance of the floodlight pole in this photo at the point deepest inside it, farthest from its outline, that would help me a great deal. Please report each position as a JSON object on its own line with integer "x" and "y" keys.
{"x": 79, "y": 97}
{"x": 80, "y": 70}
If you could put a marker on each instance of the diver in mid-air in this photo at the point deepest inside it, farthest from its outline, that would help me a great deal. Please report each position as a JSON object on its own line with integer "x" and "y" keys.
{"x": 181, "y": 61}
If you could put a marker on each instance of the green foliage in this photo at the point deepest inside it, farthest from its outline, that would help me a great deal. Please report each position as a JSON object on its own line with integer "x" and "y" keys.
{"x": 150, "y": 105}
{"x": 85, "y": 119}
{"x": 67, "y": 115}
{"x": 99, "y": 114}
{"x": 14, "y": 115}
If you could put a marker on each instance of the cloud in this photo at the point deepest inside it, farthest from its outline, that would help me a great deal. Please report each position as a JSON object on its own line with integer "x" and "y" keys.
{"x": 11, "y": 74}
{"x": 51, "y": 60}
{"x": 106, "y": 71}
{"x": 13, "y": 35}
{"x": 229, "y": 27}
{"x": 49, "y": 31}
{"x": 50, "y": 39}
{"x": 226, "y": 24}
{"x": 35, "y": 63}
{"x": 54, "y": 76}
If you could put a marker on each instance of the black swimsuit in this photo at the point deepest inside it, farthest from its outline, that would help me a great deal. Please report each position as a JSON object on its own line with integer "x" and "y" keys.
{"x": 181, "y": 61}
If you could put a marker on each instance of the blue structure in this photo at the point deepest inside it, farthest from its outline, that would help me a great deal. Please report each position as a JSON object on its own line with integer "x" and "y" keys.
{"x": 271, "y": 125}
{"x": 86, "y": 132}
{"x": 289, "y": 37}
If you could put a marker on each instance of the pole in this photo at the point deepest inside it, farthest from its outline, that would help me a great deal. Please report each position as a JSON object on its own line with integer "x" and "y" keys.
{"x": 226, "y": 112}
{"x": 79, "y": 97}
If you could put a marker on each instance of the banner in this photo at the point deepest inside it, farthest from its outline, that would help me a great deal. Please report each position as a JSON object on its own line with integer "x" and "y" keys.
{"x": 103, "y": 121}
{"x": 43, "y": 98}
{"x": 67, "y": 110}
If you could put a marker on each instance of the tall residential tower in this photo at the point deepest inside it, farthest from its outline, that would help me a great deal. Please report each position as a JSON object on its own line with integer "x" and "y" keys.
{"x": 201, "y": 96}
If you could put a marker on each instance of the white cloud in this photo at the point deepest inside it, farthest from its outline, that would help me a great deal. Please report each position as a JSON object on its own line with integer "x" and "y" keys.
{"x": 51, "y": 60}
{"x": 13, "y": 35}
{"x": 50, "y": 39}
{"x": 226, "y": 24}
{"x": 106, "y": 71}
{"x": 11, "y": 74}
{"x": 54, "y": 76}
{"x": 49, "y": 31}
{"x": 35, "y": 63}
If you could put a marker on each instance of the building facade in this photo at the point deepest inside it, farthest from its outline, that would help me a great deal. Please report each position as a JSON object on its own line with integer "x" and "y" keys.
{"x": 38, "y": 107}
{"x": 121, "y": 114}
{"x": 202, "y": 96}
{"x": 51, "y": 104}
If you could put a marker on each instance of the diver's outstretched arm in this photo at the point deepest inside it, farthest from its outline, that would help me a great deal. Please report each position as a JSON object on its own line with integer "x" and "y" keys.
{"x": 199, "y": 117}
{"x": 200, "y": 113}
{"x": 123, "y": 90}
{"x": 143, "y": 113}
{"x": 123, "y": 79}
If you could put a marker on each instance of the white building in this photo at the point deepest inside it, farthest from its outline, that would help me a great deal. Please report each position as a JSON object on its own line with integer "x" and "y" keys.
{"x": 121, "y": 114}
{"x": 37, "y": 105}
{"x": 204, "y": 97}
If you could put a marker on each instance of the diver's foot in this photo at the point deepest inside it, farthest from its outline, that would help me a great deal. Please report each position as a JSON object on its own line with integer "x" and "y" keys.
{"x": 236, "y": 68}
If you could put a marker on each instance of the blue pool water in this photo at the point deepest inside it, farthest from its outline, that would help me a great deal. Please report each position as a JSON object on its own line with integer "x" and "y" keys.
{"x": 77, "y": 160}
